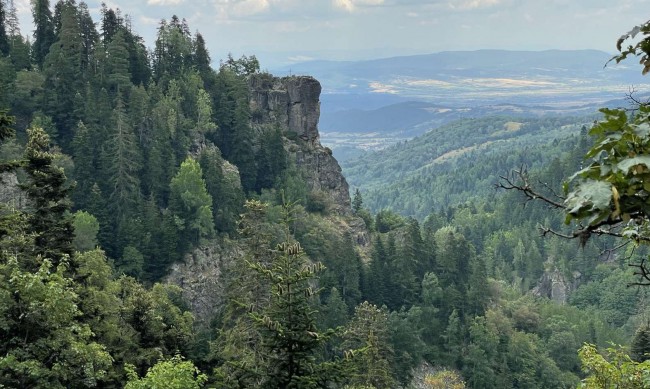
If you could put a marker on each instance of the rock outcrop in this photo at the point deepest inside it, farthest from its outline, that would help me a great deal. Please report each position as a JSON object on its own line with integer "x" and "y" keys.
{"x": 199, "y": 276}
{"x": 555, "y": 285}
{"x": 10, "y": 193}
{"x": 293, "y": 104}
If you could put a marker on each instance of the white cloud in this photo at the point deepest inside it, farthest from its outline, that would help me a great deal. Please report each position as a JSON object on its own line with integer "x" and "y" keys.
{"x": 352, "y": 5}
{"x": 164, "y": 2}
{"x": 250, "y": 7}
{"x": 473, "y": 4}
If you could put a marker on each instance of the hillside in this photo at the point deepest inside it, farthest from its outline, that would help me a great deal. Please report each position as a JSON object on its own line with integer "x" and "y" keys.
{"x": 457, "y": 162}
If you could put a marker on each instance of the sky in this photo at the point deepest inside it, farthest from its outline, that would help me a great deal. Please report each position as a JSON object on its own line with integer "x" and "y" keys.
{"x": 280, "y": 32}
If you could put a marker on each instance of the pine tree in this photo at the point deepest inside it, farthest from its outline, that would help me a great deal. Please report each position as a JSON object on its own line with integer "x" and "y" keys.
{"x": 84, "y": 160}
{"x": 227, "y": 196}
{"x": 89, "y": 35}
{"x": 368, "y": 335}
{"x": 201, "y": 56}
{"x": 239, "y": 344}
{"x": 64, "y": 77}
{"x": 49, "y": 219}
{"x": 44, "y": 32}
{"x": 191, "y": 202}
{"x": 117, "y": 64}
{"x": 4, "y": 37}
{"x": 640, "y": 348}
{"x": 6, "y": 132}
{"x": 288, "y": 326}
{"x": 122, "y": 164}
{"x": 357, "y": 202}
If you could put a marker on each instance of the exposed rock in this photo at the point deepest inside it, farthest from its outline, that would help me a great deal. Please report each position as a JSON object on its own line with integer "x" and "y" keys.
{"x": 199, "y": 276}
{"x": 553, "y": 285}
{"x": 10, "y": 193}
{"x": 292, "y": 103}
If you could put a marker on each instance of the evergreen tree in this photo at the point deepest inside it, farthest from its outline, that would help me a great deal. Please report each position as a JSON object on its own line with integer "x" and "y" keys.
{"x": 64, "y": 79}
{"x": 117, "y": 64}
{"x": 84, "y": 170}
{"x": 89, "y": 35}
{"x": 640, "y": 348}
{"x": 44, "y": 32}
{"x": 288, "y": 325}
{"x": 225, "y": 189}
{"x": 110, "y": 24}
{"x": 4, "y": 37}
{"x": 191, "y": 202}
{"x": 201, "y": 56}
{"x": 357, "y": 202}
{"x": 49, "y": 219}
{"x": 378, "y": 271}
{"x": 368, "y": 334}
{"x": 122, "y": 164}
{"x": 7, "y": 132}
{"x": 239, "y": 344}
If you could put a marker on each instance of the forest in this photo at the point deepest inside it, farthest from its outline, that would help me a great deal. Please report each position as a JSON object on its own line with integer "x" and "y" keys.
{"x": 121, "y": 164}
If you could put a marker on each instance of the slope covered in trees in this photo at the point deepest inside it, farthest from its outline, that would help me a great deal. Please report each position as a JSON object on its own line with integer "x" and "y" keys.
{"x": 120, "y": 163}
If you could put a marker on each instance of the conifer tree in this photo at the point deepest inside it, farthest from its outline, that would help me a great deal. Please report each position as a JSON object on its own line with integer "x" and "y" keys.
{"x": 201, "y": 56}
{"x": 44, "y": 32}
{"x": 89, "y": 35}
{"x": 226, "y": 192}
{"x": 117, "y": 64}
{"x": 239, "y": 344}
{"x": 64, "y": 78}
{"x": 191, "y": 202}
{"x": 357, "y": 202}
{"x": 290, "y": 336}
{"x": 368, "y": 334}
{"x": 84, "y": 160}
{"x": 640, "y": 348}
{"x": 122, "y": 164}
{"x": 4, "y": 37}
{"x": 49, "y": 219}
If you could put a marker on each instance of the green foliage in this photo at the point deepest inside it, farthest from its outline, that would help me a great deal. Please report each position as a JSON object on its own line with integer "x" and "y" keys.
{"x": 244, "y": 66}
{"x": 421, "y": 176}
{"x": 615, "y": 370}
{"x": 86, "y": 228}
{"x": 174, "y": 373}
{"x": 49, "y": 220}
{"x": 640, "y": 347}
{"x": 640, "y": 49}
{"x": 191, "y": 202}
{"x": 611, "y": 187}
{"x": 44, "y": 345}
{"x": 367, "y": 333}
{"x": 290, "y": 336}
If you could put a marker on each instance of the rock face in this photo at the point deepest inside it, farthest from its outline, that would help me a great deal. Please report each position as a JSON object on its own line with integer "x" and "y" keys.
{"x": 554, "y": 285}
{"x": 199, "y": 276}
{"x": 10, "y": 193}
{"x": 292, "y": 104}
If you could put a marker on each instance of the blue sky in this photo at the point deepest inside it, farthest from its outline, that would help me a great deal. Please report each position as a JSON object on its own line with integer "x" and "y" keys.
{"x": 282, "y": 31}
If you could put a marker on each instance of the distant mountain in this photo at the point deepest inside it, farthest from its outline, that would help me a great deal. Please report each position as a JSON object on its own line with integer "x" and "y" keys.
{"x": 375, "y": 103}
{"x": 467, "y": 78}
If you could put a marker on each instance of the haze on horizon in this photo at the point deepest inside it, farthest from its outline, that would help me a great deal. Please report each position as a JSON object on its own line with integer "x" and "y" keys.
{"x": 280, "y": 32}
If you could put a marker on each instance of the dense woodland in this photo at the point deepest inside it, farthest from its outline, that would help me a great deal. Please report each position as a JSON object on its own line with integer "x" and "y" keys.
{"x": 118, "y": 161}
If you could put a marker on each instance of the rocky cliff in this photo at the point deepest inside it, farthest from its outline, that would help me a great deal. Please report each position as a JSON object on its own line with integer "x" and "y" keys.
{"x": 293, "y": 104}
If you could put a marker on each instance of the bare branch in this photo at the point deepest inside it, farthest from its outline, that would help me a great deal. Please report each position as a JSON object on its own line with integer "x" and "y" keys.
{"x": 518, "y": 180}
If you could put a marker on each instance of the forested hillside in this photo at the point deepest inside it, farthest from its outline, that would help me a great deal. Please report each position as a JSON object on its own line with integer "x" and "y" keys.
{"x": 167, "y": 224}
